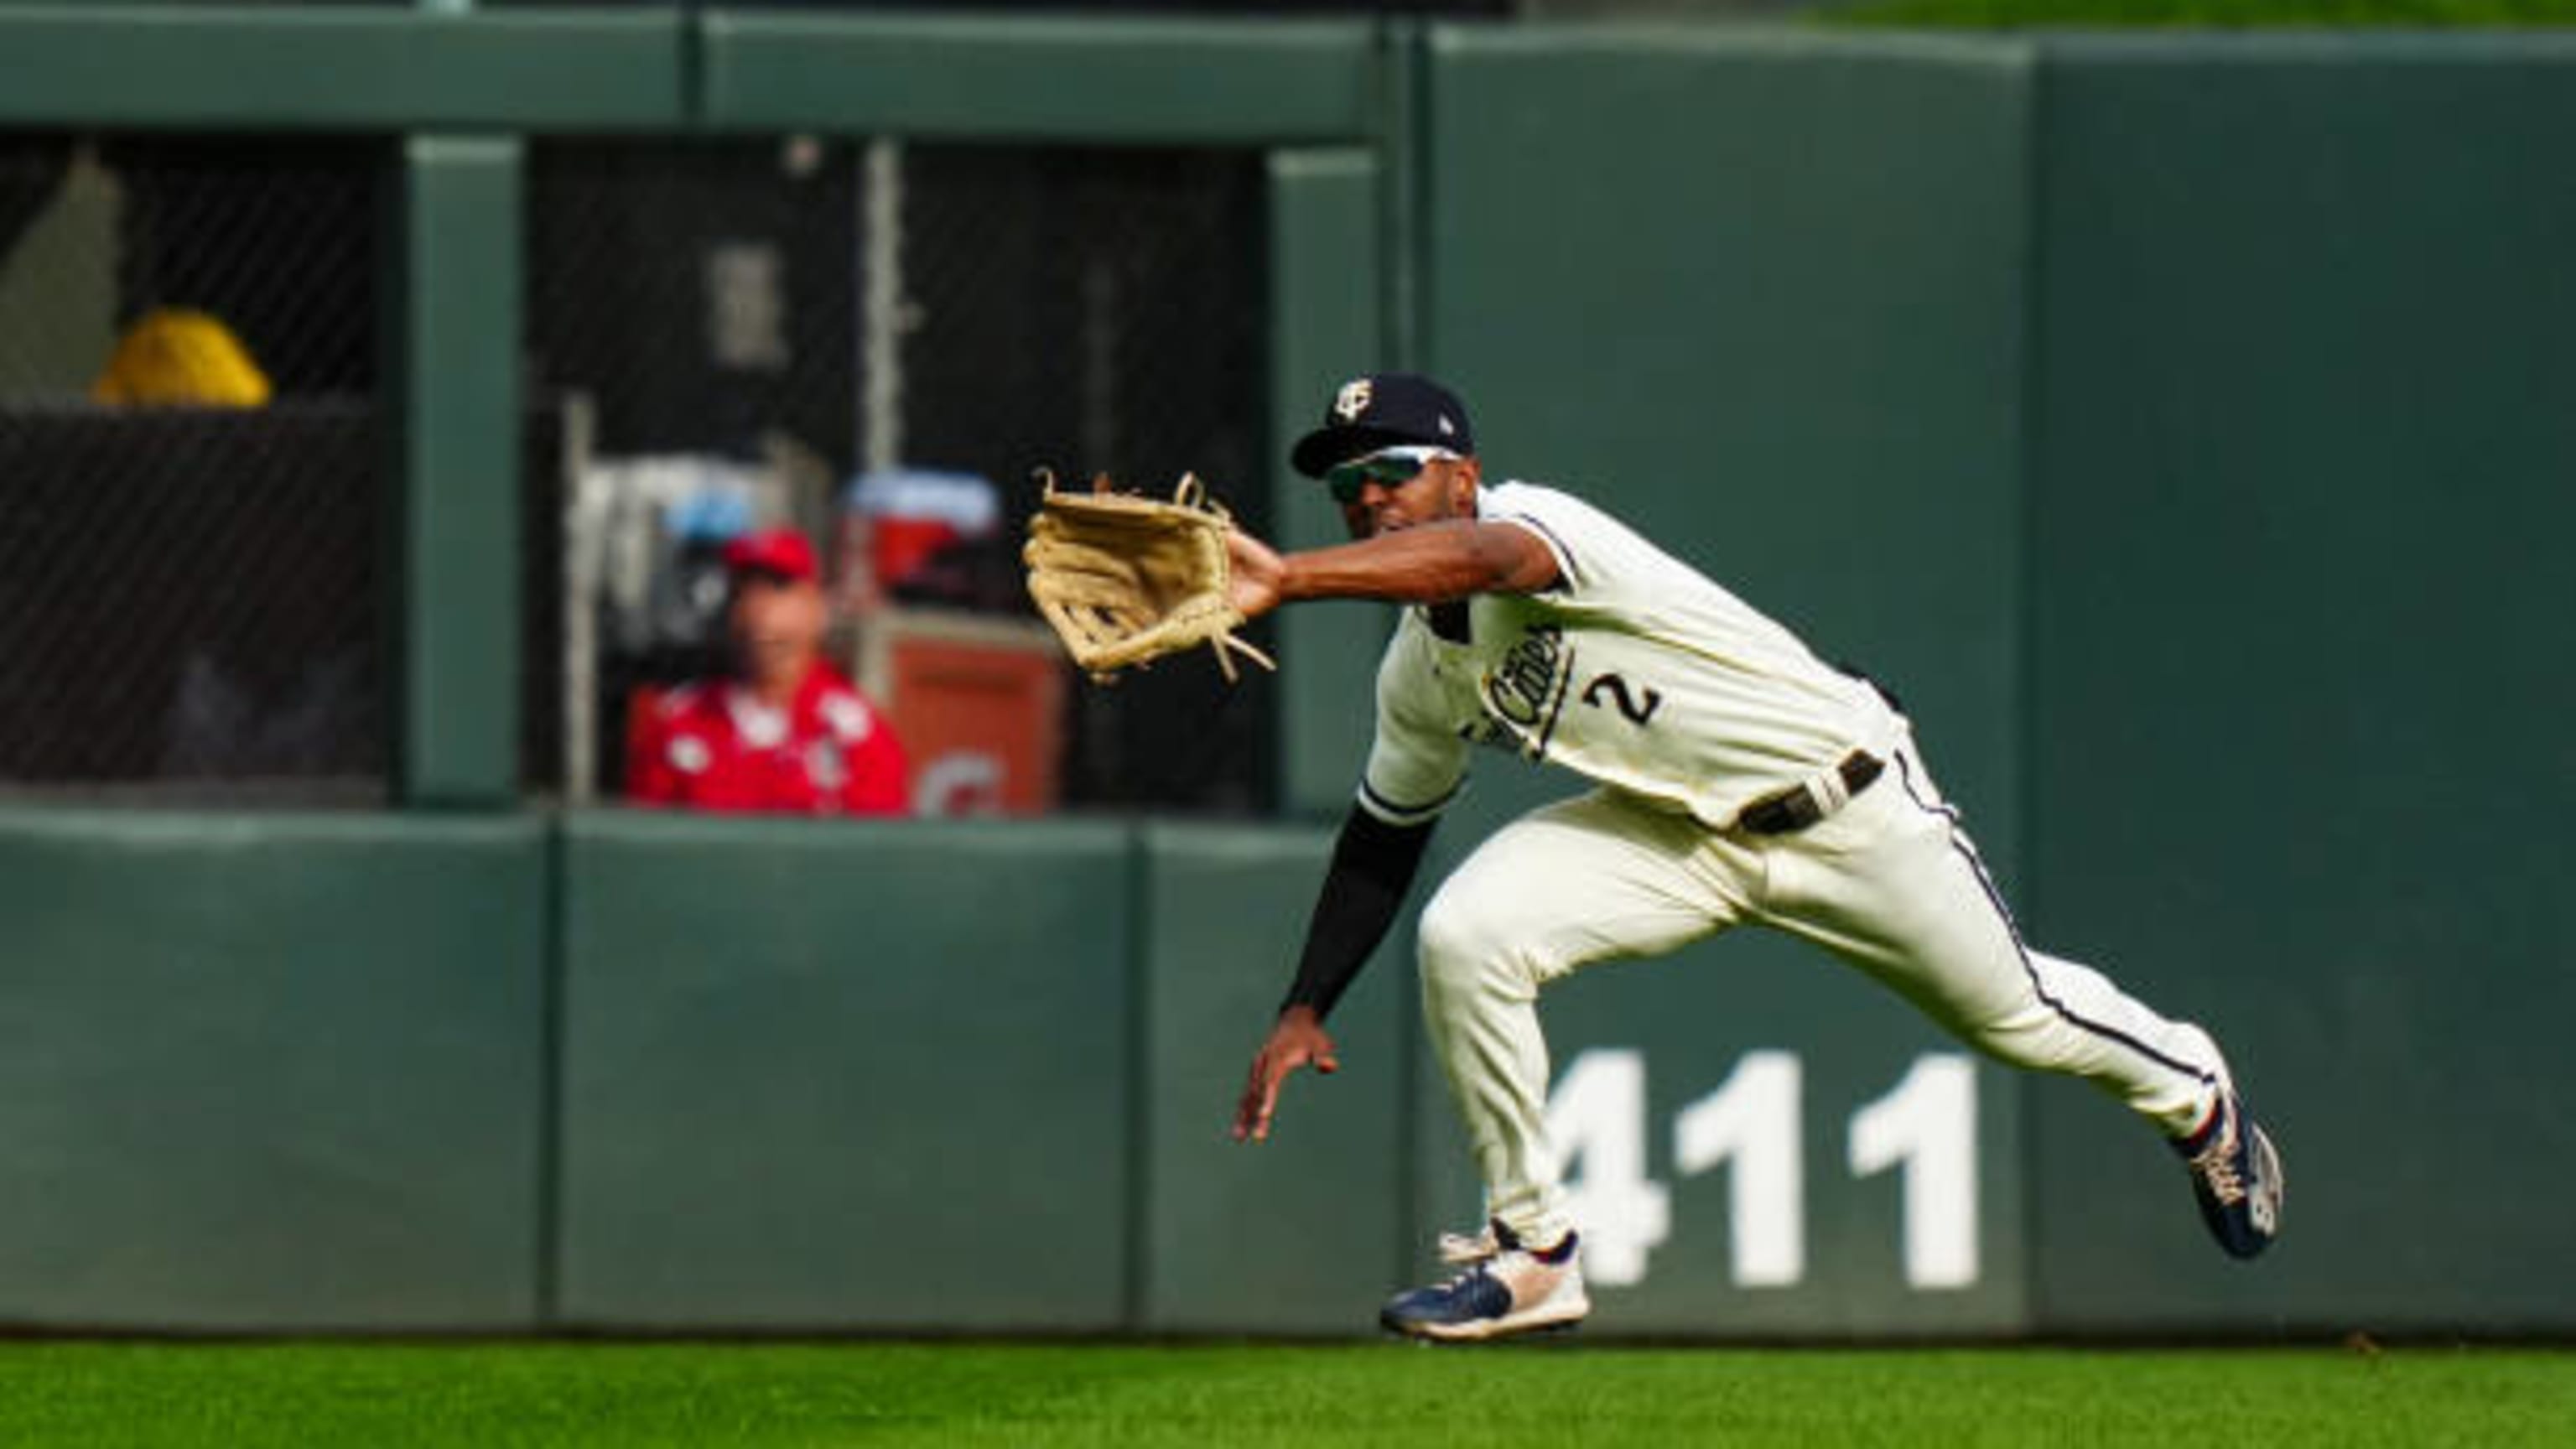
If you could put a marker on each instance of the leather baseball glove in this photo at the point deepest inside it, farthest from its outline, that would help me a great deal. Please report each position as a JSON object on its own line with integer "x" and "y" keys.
{"x": 1126, "y": 579}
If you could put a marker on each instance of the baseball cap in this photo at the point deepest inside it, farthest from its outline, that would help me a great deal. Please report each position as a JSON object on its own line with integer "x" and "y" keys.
{"x": 783, "y": 552}
{"x": 1384, "y": 410}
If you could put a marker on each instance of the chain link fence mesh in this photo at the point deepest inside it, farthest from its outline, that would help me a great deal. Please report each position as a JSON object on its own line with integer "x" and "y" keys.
{"x": 1105, "y": 310}
{"x": 192, "y": 465}
{"x": 780, "y": 316}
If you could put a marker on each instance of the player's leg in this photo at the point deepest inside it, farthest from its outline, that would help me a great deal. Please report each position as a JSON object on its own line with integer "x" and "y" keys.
{"x": 1894, "y": 885}
{"x": 1584, "y": 880}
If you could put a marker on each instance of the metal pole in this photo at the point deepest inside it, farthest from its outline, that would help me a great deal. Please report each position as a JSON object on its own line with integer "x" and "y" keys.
{"x": 881, "y": 344}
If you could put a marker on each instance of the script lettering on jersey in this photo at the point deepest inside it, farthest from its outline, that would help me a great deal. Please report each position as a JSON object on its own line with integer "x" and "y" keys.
{"x": 1526, "y": 687}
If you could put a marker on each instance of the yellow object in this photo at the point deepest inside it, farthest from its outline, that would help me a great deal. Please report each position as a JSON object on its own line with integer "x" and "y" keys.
{"x": 183, "y": 357}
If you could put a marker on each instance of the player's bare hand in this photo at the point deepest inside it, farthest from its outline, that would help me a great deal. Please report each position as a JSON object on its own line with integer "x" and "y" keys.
{"x": 1298, "y": 1040}
{"x": 1258, "y": 571}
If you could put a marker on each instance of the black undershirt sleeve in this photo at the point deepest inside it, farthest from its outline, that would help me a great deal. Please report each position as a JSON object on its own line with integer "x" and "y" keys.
{"x": 1373, "y": 866}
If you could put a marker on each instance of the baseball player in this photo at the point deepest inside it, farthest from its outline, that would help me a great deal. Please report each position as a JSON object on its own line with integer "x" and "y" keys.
{"x": 1737, "y": 779}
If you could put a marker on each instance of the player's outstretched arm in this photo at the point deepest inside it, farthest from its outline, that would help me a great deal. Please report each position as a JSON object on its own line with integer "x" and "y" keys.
{"x": 1374, "y": 864}
{"x": 1427, "y": 564}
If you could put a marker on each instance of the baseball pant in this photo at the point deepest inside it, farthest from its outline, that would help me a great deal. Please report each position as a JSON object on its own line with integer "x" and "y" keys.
{"x": 1889, "y": 882}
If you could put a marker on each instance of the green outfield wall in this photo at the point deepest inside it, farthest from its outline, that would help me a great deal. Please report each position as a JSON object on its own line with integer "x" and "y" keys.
{"x": 857, "y": 1076}
{"x": 272, "y": 1072}
{"x": 2178, "y": 424}
{"x": 2301, "y": 470}
{"x": 1286, "y": 1236}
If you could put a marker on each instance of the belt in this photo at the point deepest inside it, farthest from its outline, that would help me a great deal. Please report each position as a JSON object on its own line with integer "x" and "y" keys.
{"x": 1800, "y": 806}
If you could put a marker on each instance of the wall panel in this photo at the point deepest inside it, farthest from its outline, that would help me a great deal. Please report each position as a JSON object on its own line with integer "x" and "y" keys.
{"x": 823, "y": 1074}
{"x": 1760, "y": 296}
{"x": 270, "y": 1073}
{"x": 1306, "y": 1232}
{"x": 2297, "y": 762}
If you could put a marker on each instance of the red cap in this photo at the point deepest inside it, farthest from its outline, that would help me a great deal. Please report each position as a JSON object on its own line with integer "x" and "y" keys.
{"x": 780, "y": 551}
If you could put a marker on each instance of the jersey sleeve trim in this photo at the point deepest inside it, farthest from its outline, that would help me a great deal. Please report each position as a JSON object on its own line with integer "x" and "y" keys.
{"x": 1568, "y": 576}
{"x": 1393, "y": 813}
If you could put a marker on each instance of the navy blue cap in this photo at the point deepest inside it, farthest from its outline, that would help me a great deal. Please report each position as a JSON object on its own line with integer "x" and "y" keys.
{"x": 1384, "y": 410}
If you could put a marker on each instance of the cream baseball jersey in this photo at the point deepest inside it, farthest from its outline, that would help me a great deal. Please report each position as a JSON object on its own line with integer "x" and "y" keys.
{"x": 1633, "y": 669}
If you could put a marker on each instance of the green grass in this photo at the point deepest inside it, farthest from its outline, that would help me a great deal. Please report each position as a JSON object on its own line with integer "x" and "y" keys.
{"x": 494, "y": 1396}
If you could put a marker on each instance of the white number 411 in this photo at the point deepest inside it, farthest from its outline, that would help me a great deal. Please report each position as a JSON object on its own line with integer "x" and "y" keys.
{"x": 1927, "y": 1123}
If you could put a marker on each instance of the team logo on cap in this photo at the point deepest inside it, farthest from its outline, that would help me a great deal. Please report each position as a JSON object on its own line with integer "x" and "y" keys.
{"x": 1353, "y": 401}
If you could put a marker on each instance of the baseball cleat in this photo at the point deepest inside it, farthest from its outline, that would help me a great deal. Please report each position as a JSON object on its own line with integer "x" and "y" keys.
{"x": 1507, "y": 1290}
{"x": 2236, "y": 1176}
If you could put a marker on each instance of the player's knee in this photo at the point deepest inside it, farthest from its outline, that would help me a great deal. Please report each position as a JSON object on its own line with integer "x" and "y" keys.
{"x": 1466, "y": 949}
{"x": 1449, "y": 941}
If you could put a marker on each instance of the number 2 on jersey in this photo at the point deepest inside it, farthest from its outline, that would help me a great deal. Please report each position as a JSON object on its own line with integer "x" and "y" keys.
{"x": 1638, "y": 713}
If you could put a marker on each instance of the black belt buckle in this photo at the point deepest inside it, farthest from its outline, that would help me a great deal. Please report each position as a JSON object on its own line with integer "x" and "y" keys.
{"x": 1794, "y": 809}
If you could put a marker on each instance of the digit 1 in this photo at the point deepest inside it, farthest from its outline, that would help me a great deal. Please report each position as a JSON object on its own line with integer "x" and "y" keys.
{"x": 1597, "y": 1113}
{"x": 1928, "y": 1121}
{"x": 1752, "y": 1118}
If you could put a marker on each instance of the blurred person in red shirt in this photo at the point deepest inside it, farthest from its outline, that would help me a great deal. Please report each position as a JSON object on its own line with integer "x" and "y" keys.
{"x": 784, "y": 731}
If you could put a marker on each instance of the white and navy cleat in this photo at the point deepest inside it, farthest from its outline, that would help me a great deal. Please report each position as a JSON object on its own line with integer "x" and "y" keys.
{"x": 1505, "y": 1289}
{"x": 2236, "y": 1177}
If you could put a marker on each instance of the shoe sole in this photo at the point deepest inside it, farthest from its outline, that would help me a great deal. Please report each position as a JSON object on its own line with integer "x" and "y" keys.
{"x": 1528, "y": 1320}
{"x": 2267, "y": 1171}
{"x": 2262, "y": 1224}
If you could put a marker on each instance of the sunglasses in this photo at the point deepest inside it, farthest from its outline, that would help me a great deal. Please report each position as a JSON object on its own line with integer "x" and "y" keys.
{"x": 1349, "y": 480}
